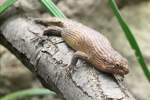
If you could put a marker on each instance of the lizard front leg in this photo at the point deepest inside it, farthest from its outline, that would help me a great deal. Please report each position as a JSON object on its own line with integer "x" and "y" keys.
{"x": 77, "y": 55}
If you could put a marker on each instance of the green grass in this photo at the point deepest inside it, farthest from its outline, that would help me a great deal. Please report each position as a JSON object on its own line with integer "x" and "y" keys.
{"x": 131, "y": 39}
{"x": 52, "y": 8}
{"x": 6, "y": 5}
{"x": 27, "y": 93}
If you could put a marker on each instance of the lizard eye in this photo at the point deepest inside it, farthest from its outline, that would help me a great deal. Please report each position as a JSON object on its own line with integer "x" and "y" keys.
{"x": 117, "y": 65}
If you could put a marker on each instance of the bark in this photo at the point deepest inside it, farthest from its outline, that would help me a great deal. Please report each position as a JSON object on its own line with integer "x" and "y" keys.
{"x": 47, "y": 57}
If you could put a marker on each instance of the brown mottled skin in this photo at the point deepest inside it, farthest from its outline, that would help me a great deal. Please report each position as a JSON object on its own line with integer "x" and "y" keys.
{"x": 89, "y": 44}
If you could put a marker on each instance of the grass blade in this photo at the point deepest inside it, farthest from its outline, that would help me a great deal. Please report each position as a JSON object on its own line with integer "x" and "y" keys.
{"x": 131, "y": 38}
{"x": 52, "y": 8}
{"x": 27, "y": 93}
{"x": 5, "y": 5}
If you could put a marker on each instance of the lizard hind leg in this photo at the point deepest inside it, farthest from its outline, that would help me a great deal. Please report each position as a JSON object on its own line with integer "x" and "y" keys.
{"x": 53, "y": 31}
{"x": 49, "y": 21}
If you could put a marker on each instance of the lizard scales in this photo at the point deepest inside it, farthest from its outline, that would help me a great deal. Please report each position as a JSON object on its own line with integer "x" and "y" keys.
{"x": 90, "y": 43}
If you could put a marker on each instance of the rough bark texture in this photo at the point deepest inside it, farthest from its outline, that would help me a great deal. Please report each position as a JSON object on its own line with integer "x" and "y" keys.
{"x": 47, "y": 58}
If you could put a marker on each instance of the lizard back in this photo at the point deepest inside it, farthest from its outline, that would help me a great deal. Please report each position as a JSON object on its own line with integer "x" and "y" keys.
{"x": 87, "y": 40}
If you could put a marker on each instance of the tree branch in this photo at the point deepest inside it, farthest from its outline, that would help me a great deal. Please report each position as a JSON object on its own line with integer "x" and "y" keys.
{"x": 47, "y": 58}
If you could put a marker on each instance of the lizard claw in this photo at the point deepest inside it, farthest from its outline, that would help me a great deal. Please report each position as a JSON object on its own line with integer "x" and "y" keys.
{"x": 70, "y": 69}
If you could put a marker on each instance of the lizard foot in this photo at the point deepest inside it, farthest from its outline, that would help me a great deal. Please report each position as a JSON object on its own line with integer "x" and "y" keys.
{"x": 70, "y": 69}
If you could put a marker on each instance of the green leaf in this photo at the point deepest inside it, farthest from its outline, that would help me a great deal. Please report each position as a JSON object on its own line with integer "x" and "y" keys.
{"x": 27, "y": 93}
{"x": 6, "y": 5}
{"x": 52, "y": 8}
{"x": 131, "y": 38}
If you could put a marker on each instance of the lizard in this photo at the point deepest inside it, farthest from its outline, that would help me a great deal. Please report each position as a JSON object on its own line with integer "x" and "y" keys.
{"x": 89, "y": 44}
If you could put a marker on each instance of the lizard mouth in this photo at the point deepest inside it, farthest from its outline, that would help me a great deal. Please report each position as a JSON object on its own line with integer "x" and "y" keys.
{"x": 117, "y": 70}
{"x": 121, "y": 70}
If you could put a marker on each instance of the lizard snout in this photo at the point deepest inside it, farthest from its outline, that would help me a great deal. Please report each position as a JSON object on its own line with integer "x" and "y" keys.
{"x": 117, "y": 70}
{"x": 121, "y": 70}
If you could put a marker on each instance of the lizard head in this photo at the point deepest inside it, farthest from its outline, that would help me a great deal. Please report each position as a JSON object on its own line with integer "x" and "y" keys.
{"x": 116, "y": 64}
{"x": 119, "y": 67}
